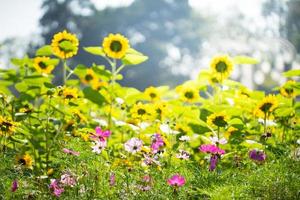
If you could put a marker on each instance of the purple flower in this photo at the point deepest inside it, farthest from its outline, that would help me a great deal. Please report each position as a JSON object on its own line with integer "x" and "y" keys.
{"x": 176, "y": 180}
{"x": 68, "y": 151}
{"x": 133, "y": 145}
{"x": 257, "y": 155}
{"x": 213, "y": 162}
{"x": 14, "y": 186}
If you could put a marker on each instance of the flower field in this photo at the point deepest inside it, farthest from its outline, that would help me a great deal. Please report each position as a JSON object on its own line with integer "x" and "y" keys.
{"x": 92, "y": 138}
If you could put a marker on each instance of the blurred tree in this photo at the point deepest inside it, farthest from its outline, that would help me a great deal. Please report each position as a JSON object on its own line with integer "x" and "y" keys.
{"x": 156, "y": 28}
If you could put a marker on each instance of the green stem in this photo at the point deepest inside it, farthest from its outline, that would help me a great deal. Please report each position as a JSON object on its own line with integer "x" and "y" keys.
{"x": 265, "y": 123}
{"x": 218, "y": 136}
{"x": 113, "y": 80}
{"x": 64, "y": 72}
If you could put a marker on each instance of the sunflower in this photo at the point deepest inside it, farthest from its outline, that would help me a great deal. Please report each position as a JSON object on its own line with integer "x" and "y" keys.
{"x": 115, "y": 45}
{"x": 69, "y": 93}
{"x": 42, "y": 66}
{"x": 266, "y": 106}
{"x": 152, "y": 94}
{"x": 89, "y": 77}
{"x": 141, "y": 111}
{"x": 217, "y": 119}
{"x": 64, "y": 45}
{"x": 160, "y": 109}
{"x": 222, "y": 67}
{"x": 97, "y": 84}
{"x": 188, "y": 94}
{"x": 231, "y": 130}
{"x": 25, "y": 160}
{"x": 287, "y": 90}
{"x": 7, "y": 126}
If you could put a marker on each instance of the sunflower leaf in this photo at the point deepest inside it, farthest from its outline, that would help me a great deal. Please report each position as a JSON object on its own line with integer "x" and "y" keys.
{"x": 95, "y": 50}
{"x": 245, "y": 60}
{"x": 94, "y": 96}
{"x": 134, "y": 57}
{"x": 290, "y": 73}
{"x": 44, "y": 51}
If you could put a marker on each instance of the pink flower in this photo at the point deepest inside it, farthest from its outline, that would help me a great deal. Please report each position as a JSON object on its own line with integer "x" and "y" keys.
{"x": 210, "y": 148}
{"x": 14, "y": 186}
{"x": 68, "y": 179}
{"x": 68, "y": 151}
{"x": 133, "y": 145}
{"x": 101, "y": 134}
{"x": 112, "y": 179}
{"x": 99, "y": 145}
{"x": 157, "y": 143}
{"x": 176, "y": 180}
{"x": 56, "y": 188}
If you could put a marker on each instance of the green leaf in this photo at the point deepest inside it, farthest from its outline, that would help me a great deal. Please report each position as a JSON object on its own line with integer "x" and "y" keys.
{"x": 44, "y": 51}
{"x": 95, "y": 50}
{"x": 66, "y": 46}
{"x": 94, "y": 96}
{"x": 134, "y": 57}
{"x": 293, "y": 72}
{"x": 245, "y": 60}
{"x": 21, "y": 87}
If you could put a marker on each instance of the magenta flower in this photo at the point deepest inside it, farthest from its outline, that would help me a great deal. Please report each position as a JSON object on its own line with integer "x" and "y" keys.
{"x": 157, "y": 143}
{"x": 14, "y": 186}
{"x": 101, "y": 134}
{"x": 68, "y": 151}
{"x": 56, "y": 188}
{"x": 210, "y": 148}
{"x": 176, "y": 180}
{"x": 257, "y": 155}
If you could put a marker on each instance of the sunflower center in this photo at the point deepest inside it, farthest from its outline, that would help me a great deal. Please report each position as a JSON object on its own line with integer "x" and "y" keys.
{"x": 22, "y": 161}
{"x": 116, "y": 46}
{"x": 220, "y": 121}
{"x": 69, "y": 96}
{"x": 189, "y": 95}
{"x": 42, "y": 65}
{"x": 89, "y": 77}
{"x": 141, "y": 111}
{"x": 221, "y": 67}
{"x": 152, "y": 95}
{"x": 266, "y": 107}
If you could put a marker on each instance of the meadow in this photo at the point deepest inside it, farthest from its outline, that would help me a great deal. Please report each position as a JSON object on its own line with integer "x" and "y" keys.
{"x": 92, "y": 138}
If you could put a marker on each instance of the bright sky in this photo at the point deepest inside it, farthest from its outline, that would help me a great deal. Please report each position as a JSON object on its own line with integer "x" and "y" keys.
{"x": 19, "y": 18}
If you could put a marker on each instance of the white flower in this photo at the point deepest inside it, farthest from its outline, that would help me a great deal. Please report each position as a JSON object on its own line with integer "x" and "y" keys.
{"x": 99, "y": 145}
{"x": 165, "y": 128}
{"x": 184, "y": 155}
{"x": 119, "y": 100}
{"x": 268, "y": 122}
{"x": 184, "y": 138}
{"x": 133, "y": 145}
{"x": 215, "y": 140}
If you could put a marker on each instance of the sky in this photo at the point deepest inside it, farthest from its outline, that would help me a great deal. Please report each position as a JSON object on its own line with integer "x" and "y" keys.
{"x": 19, "y": 18}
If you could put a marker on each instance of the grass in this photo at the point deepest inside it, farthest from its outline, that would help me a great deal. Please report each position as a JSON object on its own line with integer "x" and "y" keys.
{"x": 276, "y": 179}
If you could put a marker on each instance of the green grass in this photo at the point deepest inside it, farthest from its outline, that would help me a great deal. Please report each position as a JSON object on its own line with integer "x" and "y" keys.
{"x": 276, "y": 179}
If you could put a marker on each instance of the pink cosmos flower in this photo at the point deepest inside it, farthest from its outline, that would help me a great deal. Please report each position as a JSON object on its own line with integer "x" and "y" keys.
{"x": 176, "y": 180}
{"x": 210, "y": 148}
{"x": 14, "y": 186}
{"x": 101, "y": 134}
{"x": 112, "y": 179}
{"x": 68, "y": 151}
{"x": 68, "y": 179}
{"x": 56, "y": 188}
{"x": 157, "y": 143}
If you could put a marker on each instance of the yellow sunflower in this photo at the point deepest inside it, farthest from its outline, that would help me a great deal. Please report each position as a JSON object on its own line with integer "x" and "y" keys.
{"x": 141, "y": 111}
{"x": 230, "y": 131}
{"x": 152, "y": 94}
{"x": 188, "y": 94}
{"x": 69, "y": 93}
{"x": 89, "y": 77}
{"x": 160, "y": 110}
{"x": 41, "y": 65}
{"x": 266, "y": 106}
{"x": 7, "y": 126}
{"x": 115, "y": 45}
{"x": 217, "y": 119}
{"x": 221, "y": 66}
{"x": 287, "y": 90}
{"x": 64, "y": 45}
{"x": 25, "y": 160}
{"x": 98, "y": 84}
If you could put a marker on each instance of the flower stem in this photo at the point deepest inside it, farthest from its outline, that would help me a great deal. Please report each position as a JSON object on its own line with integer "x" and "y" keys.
{"x": 64, "y": 72}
